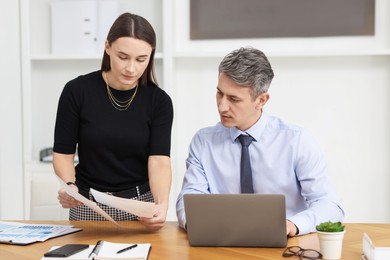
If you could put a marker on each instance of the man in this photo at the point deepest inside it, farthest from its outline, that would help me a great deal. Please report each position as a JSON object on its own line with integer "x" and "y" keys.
{"x": 284, "y": 159}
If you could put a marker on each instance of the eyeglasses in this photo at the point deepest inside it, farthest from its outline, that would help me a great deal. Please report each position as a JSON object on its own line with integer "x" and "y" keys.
{"x": 302, "y": 253}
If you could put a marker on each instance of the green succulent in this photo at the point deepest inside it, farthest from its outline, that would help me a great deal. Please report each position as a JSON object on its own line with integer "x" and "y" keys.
{"x": 330, "y": 227}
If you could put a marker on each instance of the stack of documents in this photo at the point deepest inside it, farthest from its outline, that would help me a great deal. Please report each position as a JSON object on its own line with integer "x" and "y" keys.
{"x": 16, "y": 233}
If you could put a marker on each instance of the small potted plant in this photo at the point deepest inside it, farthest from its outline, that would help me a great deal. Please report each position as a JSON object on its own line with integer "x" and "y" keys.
{"x": 330, "y": 235}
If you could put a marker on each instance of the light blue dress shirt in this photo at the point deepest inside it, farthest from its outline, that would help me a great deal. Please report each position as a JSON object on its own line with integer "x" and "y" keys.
{"x": 285, "y": 159}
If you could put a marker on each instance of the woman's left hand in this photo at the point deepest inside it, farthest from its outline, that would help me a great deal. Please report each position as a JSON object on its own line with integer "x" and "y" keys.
{"x": 157, "y": 221}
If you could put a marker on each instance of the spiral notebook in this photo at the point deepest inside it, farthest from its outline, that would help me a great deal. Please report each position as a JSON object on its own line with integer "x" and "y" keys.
{"x": 109, "y": 250}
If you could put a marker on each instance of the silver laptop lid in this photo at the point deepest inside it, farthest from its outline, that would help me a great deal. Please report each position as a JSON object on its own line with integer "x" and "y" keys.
{"x": 242, "y": 220}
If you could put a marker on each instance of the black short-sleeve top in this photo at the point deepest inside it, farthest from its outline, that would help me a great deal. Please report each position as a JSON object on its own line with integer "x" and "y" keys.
{"x": 113, "y": 146}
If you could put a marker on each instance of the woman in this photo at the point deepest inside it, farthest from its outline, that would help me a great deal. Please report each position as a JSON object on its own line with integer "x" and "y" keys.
{"x": 121, "y": 122}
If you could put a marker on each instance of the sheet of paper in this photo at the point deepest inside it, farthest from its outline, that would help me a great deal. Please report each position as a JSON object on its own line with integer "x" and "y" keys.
{"x": 109, "y": 249}
{"x": 89, "y": 203}
{"x": 138, "y": 208}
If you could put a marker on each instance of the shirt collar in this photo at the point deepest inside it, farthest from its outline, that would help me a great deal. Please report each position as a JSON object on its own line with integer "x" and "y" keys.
{"x": 255, "y": 131}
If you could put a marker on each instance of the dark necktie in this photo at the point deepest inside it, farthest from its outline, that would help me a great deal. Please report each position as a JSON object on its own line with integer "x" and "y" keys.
{"x": 246, "y": 170}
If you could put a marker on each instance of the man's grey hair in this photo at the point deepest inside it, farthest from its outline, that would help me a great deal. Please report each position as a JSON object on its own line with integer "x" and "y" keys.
{"x": 248, "y": 67}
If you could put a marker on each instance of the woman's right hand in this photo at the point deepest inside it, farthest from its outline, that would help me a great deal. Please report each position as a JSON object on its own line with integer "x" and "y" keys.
{"x": 66, "y": 200}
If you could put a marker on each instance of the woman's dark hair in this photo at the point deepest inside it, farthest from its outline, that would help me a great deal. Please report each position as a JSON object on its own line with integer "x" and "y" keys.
{"x": 137, "y": 27}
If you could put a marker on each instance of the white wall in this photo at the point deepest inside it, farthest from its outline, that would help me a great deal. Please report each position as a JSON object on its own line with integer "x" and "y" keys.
{"x": 11, "y": 170}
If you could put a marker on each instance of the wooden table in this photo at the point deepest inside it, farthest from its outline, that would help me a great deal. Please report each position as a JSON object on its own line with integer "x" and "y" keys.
{"x": 171, "y": 242}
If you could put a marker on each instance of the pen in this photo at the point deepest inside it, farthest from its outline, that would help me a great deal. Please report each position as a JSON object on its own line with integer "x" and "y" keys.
{"x": 127, "y": 248}
{"x": 96, "y": 249}
{"x": 2, "y": 241}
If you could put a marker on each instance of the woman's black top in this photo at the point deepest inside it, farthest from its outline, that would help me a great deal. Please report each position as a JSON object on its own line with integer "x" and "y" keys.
{"x": 113, "y": 146}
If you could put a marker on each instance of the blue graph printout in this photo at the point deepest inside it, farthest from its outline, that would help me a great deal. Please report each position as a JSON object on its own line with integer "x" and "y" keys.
{"x": 16, "y": 232}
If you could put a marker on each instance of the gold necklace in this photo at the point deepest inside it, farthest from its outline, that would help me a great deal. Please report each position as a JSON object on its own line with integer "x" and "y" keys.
{"x": 117, "y": 104}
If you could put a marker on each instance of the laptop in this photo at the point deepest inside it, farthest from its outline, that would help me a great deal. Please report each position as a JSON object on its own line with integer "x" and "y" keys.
{"x": 236, "y": 220}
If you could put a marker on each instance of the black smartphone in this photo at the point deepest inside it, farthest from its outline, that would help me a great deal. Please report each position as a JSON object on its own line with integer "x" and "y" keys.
{"x": 66, "y": 250}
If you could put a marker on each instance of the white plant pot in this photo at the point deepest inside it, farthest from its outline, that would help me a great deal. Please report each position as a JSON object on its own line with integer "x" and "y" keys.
{"x": 331, "y": 244}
